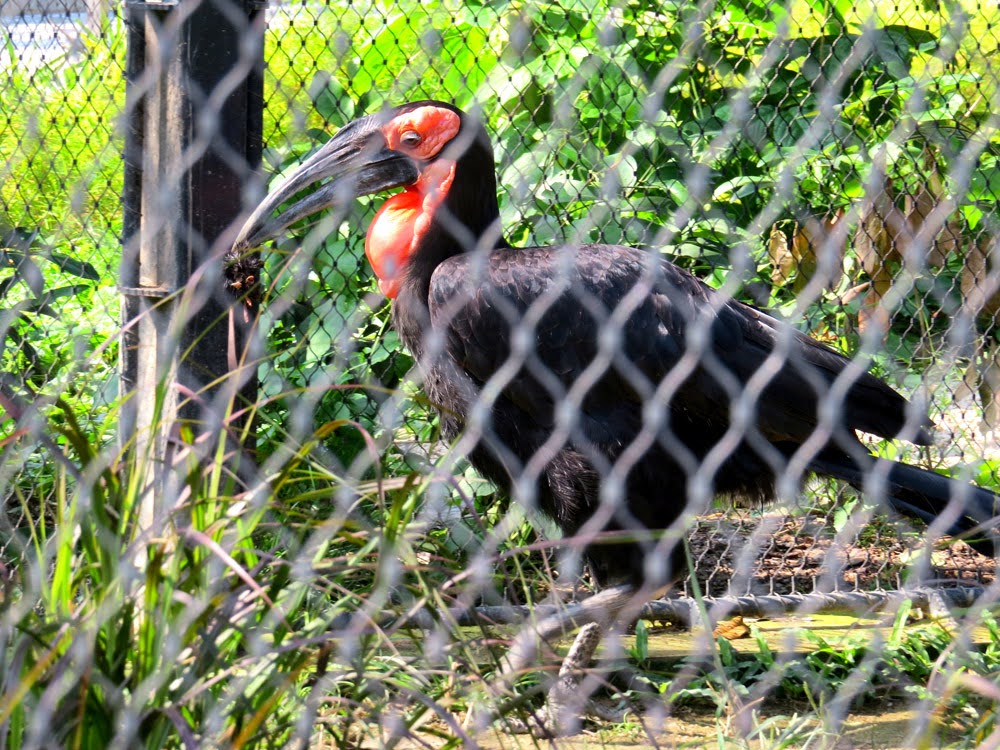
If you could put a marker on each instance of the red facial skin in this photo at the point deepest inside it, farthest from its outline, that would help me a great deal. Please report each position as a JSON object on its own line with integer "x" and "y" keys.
{"x": 401, "y": 222}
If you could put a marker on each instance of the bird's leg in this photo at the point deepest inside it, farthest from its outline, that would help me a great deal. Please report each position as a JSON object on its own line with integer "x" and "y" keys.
{"x": 595, "y": 615}
{"x": 565, "y": 702}
{"x": 569, "y": 695}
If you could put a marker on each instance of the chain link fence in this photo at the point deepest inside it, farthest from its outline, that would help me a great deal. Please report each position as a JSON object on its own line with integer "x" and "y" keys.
{"x": 63, "y": 91}
{"x": 311, "y": 571}
{"x": 582, "y": 158}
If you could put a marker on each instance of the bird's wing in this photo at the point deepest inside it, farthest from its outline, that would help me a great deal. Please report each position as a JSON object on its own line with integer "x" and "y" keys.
{"x": 616, "y": 324}
{"x": 511, "y": 321}
{"x": 809, "y": 372}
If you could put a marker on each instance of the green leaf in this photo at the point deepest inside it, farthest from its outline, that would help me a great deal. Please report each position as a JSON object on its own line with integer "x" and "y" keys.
{"x": 467, "y": 59}
{"x": 18, "y": 238}
{"x": 985, "y": 183}
{"x": 738, "y": 187}
{"x": 640, "y": 651}
{"x": 973, "y": 215}
{"x": 896, "y": 636}
{"x": 331, "y": 100}
{"x": 74, "y": 267}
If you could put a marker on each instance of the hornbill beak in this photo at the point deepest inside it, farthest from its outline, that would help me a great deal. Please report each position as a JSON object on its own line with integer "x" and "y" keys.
{"x": 357, "y": 161}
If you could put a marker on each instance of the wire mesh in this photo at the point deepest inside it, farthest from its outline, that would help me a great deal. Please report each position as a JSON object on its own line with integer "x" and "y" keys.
{"x": 832, "y": 164}
{"x": 60, "y": 200}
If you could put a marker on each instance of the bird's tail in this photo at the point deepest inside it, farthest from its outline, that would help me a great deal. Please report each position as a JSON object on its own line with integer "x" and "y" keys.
{"x": 973, "y": 514}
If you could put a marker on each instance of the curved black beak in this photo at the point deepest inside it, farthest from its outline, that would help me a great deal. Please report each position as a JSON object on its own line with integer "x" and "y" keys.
{"x": 356, "y": 161}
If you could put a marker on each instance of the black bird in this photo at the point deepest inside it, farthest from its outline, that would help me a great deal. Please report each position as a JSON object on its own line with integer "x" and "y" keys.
{"x": 620, "y": 388}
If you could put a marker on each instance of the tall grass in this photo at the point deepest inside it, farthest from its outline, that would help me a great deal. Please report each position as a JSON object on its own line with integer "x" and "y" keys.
{"x": 224, "y": 623}
{"x": 233, "y": 621}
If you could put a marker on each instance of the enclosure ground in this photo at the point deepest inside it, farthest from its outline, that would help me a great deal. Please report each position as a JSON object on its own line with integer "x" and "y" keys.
{"x": 876, "y": 728}
{"x": 886, "y": 723}
{"x": 787, "y": 637}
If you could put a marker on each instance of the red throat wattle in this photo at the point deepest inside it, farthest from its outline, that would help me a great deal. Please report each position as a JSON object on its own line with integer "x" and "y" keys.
{"x": 401, "y": 223}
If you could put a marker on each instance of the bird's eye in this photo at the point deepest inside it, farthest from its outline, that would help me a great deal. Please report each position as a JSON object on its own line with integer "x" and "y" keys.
{"x": 410, "y": 138}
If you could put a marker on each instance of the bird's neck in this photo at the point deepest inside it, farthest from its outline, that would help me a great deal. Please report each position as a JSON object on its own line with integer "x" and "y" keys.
{"x": 466, "y": 221}
{"x": 451, "y": 210}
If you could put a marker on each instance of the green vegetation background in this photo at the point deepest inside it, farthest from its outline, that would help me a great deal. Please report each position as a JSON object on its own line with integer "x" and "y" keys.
{"x": 217, "y": 628}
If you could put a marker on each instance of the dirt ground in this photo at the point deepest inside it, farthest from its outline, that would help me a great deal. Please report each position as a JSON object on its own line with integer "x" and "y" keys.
{"x": 742, "y": 554}
{"x": 775, "y": 725}
{"x": 894, "y": 724}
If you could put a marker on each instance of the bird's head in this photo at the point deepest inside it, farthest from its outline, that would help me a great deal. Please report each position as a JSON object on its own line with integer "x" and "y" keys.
{"x": 417, "y": 146}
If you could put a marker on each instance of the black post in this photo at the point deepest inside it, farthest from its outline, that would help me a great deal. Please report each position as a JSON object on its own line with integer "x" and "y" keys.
{"x": 195, "y": 112}
{"x": 131, "y": 221}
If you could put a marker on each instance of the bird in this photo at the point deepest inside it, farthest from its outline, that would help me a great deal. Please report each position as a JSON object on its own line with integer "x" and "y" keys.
{"x": 601, "y": 384}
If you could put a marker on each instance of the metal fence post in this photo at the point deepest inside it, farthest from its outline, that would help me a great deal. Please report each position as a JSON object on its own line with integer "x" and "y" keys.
{"x": 193, "y": 140}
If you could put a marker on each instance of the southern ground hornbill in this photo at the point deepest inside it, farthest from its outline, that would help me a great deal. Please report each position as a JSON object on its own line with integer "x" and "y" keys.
{"x": 620, "y": 392}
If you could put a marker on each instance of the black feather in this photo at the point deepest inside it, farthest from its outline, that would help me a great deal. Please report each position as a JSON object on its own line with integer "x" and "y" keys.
{"x": 616, "y": 331}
